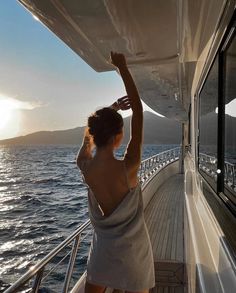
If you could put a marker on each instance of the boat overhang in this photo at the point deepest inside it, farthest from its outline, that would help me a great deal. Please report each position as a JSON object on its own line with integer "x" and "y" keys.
{"x": 162, "y": 41}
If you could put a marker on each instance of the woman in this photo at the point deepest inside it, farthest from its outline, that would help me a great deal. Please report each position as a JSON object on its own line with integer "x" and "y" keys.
{"x": 121, "y": 254}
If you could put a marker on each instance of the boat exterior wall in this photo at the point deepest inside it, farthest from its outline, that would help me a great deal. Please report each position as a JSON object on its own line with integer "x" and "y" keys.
{"x": 211, "y": 265}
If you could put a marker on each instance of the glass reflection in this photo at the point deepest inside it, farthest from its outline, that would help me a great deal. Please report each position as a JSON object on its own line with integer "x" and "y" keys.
{"x": 208, "y": 126}
{"x": 230, "y": 123}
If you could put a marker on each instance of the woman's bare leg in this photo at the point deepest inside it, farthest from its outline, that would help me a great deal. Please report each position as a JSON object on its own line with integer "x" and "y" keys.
{"x": 92, "y": 288}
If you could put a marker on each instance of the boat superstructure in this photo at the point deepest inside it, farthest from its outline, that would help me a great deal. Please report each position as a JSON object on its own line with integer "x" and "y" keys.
{"x": 182, "y": 55}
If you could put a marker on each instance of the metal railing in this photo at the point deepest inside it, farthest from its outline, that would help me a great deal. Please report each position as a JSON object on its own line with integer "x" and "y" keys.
{"x": 208, "y": 164}
{"x": 230, "y": 175}
{"x": 38, "y": 270}
{"x": 147, "y": 168}
{"x": 153, "y": 164}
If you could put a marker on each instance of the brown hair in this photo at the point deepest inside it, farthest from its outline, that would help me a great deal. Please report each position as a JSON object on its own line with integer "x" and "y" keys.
{"x": 103, "y": 125}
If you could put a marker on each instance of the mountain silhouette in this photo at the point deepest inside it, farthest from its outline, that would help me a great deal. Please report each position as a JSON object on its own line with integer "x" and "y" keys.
{"x": 208, "y": 129}
{"x": 157, "y": 130}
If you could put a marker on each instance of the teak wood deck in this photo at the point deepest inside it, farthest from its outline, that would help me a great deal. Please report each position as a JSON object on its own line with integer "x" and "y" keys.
{"x": 164, "y": 217}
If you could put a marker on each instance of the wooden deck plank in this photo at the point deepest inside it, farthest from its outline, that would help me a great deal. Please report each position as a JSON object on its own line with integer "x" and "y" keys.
{"x": 168, "y": 220}
{"x": 172, "y": 224}
{"x": 174, "y": 235}
{"x": 180, "y": 235}
{"x": 149, "y": 211}
{"x": 163, "y": 227}
{"x": 157, "y": 201}
{"x": 180, "y": 231}
{"x": 164, "y": 217}
{"x": 155, "y": 228}
{"x": 170, "y": 289}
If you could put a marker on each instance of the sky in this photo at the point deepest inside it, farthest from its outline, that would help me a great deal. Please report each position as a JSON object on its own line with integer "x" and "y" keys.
{"x": 44, "y": 85}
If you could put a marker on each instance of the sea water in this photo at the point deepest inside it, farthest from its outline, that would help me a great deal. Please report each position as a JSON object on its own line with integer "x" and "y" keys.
{"x": 42, "y": 201}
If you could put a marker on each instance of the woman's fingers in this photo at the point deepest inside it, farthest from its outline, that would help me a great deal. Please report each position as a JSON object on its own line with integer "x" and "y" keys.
{"x": 123, "y": 98}
{"x": 117, "y": 59}
{"x": 124, "y": 103}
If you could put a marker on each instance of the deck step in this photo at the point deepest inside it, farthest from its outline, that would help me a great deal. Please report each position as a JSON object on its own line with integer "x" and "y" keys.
{"x": 170, "y": 273}
{"x": 168, "y": 289}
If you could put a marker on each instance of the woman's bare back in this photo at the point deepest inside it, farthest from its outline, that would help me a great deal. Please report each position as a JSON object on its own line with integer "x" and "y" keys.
{"x": 109, "y": 181}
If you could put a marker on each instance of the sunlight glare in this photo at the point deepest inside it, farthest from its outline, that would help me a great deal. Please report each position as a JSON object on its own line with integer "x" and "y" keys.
{"x": 5, "y": 113}
{"x": 35, "y": 17}
{"x": 230, "y": 108}
{"x": 9, "y": 117}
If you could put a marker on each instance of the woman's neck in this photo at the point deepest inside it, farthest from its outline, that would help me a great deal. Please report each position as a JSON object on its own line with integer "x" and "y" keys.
{"x": 105, "y": 152}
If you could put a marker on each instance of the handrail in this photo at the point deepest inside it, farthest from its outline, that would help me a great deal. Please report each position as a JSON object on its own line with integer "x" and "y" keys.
{"x": 156, "y": 162}
{"x": 147, "y": 168}
{"x": 208, "y": 164}
{"x": 39, "y": 266}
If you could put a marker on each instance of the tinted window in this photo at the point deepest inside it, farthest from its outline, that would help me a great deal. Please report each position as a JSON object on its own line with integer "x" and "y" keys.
{"x": 230, "y": 122}
{"x": 208, "y": 126}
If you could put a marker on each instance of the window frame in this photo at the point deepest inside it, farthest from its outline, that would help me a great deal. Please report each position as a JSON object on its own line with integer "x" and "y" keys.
{"x": 203, "y": 175}
{"x": 228, "y": 38}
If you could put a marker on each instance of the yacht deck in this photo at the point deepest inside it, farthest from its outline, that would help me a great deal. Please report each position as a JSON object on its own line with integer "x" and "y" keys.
{"x": 165, "y": 221}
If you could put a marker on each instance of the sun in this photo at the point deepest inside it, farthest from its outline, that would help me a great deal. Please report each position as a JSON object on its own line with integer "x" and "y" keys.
{"x": 9, "y": 117}
{"x": 5, "y": 113}
{"x": 12, "y": 115}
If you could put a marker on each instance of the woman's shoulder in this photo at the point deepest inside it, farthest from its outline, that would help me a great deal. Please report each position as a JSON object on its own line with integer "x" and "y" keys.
{"x": 84, "y": 164}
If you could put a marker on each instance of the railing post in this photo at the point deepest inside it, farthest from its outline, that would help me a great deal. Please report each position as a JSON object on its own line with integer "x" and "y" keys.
{"x": 233, "y": 180}
{"x": 71, "y": 265}
{"x": 37, "y": 281}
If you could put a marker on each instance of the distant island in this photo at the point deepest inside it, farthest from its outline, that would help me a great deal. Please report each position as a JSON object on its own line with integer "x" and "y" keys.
{"x": 157, "y": 130}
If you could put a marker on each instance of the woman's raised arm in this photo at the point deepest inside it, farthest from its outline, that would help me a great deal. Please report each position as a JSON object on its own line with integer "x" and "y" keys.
{"x": 85, "y": 152}
{"x": 134, "y": 149}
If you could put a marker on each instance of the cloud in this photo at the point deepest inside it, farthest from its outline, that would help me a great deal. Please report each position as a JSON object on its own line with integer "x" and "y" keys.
{"x": 14, "y": 104}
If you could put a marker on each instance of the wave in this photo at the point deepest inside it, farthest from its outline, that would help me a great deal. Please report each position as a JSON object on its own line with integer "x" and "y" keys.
{"x": 25, "y": 181}
{"x": 74, "y": 184}
{"x": 22, "y": 199}
{"x": 46, "y": 180}
{"x": 11, "y": 182}
{"x": 61, "y": 162}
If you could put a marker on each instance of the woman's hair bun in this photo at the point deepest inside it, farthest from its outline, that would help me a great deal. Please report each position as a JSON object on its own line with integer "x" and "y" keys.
{"x": 92, "y": 122}
{"x": 104, "y": 124}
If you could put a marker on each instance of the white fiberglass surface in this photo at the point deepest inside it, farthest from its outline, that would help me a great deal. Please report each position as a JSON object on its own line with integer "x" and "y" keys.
{"x": 162, "y": 41}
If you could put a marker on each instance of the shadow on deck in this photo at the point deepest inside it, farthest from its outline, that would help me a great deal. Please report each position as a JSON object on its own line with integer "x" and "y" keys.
{"x": 164, "y": 217}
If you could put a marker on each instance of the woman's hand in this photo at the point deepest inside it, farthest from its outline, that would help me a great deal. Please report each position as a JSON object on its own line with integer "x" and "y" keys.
{"x": 85, "y": 152}
{"x": 118, "y": 59}
{"x": 88, "y": 140}
{"x": 123, "y": 103}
